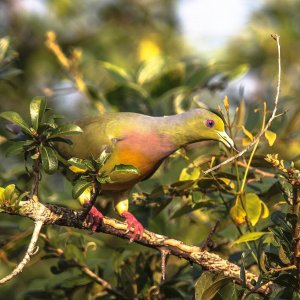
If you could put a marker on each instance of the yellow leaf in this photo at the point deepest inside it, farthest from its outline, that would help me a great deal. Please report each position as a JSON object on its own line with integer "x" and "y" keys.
{"x": 189, "y": 174}
{"x": 245, "y": 142}
{"x": 253, "y": 208}
{"x": 265, "y": 210}
{"x": 237, "y": 212}
{"x": 77, "y": 170}
{"x": 251, "y": 236}
{"x": 85, "y": 196}
{"x": 270, "y": 136}
{"x": 241, "y": 114}
{"x": 228, "y": 182}
{"x": 247, "y": 133}
{"x": 226, "y": 103}
{"x": 2, "y": 194}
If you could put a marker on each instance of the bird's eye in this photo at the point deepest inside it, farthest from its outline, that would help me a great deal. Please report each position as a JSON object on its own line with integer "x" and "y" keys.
{"x": 210, "y": 123}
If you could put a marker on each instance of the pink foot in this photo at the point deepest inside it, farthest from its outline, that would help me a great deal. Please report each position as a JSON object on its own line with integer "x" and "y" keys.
{"x": 94, "y": 218}
{"x": 132, "y": 222}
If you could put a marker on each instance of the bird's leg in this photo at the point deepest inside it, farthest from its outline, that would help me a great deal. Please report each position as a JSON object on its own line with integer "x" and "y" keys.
{"x": 91, "y": 214}
{"x": 121, "y": 207}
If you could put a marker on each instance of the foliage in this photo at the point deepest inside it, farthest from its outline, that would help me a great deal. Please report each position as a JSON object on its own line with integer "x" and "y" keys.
{"x": 254, "y": 200}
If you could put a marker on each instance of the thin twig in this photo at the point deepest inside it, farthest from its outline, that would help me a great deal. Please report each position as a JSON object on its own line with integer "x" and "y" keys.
{"x": 106, "y": 285}
{"x": 164, "y": 255}
{"x": 208, "y": 239}
{"x": 256, "y": 170}
{"x": 278, "y": 270}
{"x": 273, "y": 116}
{"x": 32, "y": 250}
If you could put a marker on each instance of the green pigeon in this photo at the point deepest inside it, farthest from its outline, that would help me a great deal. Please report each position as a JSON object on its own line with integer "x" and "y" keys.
{"x": 141, "y": 141}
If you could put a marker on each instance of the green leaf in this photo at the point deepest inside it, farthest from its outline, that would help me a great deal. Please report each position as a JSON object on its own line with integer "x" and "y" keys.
{"x": 253, "y": 208}
{"x": 49, "y": 160}
{"x": 251, "y": 236}
{"x": 103, "y": 179}
{"x": 270, "y": 136}
{"x": 104, "y": 156}
{"x": 15, "y": 148}
{"x": 208, "y": 285}
{"x": 77, "y": 162}
{"x": 126, "y": 169}
{"x": 37, "y": 110}
{"x": 66, "y": 129}
{"x": 8, "y": 192}
{"x": 117, "y": 73}
{"x": 14, "y": 117}
{"x": 79, "y": 187}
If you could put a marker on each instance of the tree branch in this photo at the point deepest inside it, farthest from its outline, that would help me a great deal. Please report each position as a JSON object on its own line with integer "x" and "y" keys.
{"x": 51, "y": 214}
{"x": 31, "y": 250}
{"x": 276, "y": 37}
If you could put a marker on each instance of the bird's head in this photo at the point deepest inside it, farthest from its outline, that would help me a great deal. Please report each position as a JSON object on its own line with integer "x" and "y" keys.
{"x": 202, "y": 124}
{"x": 213, "y": 127}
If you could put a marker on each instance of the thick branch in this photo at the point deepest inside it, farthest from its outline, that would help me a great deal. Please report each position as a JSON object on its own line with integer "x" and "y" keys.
{"x": 50, "y": 214}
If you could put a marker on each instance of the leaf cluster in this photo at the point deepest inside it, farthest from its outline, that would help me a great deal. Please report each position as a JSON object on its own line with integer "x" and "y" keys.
{"x": 36, "y": 140}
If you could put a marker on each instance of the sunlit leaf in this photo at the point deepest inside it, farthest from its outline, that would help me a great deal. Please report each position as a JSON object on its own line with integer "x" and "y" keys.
{"x": 66, "y": 129}
{"x": 49, "y": 160}
{"x": 239, "y": 71}
{"x": 271, "y": 137}
{"x": 151, "y": 69}
{"x": 126, "y": 169}
{"x": 253, "y": 208}
{"x": 248, "y": 237}
{"x": 37, "y": 109}
{"x": 247, "y": 133}
{"x": 116, "y": 72}
{"x": 265, "y": 210}
{"x": 189, "y": 174}
{"x": 79, "y": 187}
{"x": 15, "y": 118}
{"x": 4, "y": 44}
{"x": 226, "y": 103}
{"x": 240, "y": 120}
{"x": 77, "y": 165}
{"x": 228, "y": 182}
{"x": 237, "y": 212}
{"x": 8, "y": 191}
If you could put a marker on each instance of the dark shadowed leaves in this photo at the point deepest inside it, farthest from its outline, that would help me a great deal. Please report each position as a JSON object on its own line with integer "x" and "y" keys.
{"x": 208, "y": 285}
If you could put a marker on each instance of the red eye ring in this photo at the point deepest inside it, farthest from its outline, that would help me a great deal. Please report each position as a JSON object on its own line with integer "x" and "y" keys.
{"x": 210, "y": 123}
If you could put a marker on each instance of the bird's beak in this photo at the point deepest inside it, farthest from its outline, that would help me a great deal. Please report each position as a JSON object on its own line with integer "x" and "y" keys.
{"x": 226, "y": 140}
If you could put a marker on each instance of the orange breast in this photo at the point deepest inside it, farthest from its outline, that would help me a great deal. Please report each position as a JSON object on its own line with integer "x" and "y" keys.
{"x": 143, "y": 151}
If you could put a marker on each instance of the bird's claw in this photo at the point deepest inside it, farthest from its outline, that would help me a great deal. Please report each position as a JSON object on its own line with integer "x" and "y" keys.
{"x": 134, "y": 224}
{"x": 94, "y": 218}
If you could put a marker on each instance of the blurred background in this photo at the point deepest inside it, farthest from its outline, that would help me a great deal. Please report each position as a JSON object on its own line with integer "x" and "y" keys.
{"x": 148, "y": 56}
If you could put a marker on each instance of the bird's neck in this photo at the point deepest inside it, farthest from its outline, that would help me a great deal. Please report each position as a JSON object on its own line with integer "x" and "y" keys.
{"x": 181, "y": 129}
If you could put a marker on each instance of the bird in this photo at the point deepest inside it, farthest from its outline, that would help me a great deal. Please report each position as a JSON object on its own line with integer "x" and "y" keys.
{"x": 141, "y": 141}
